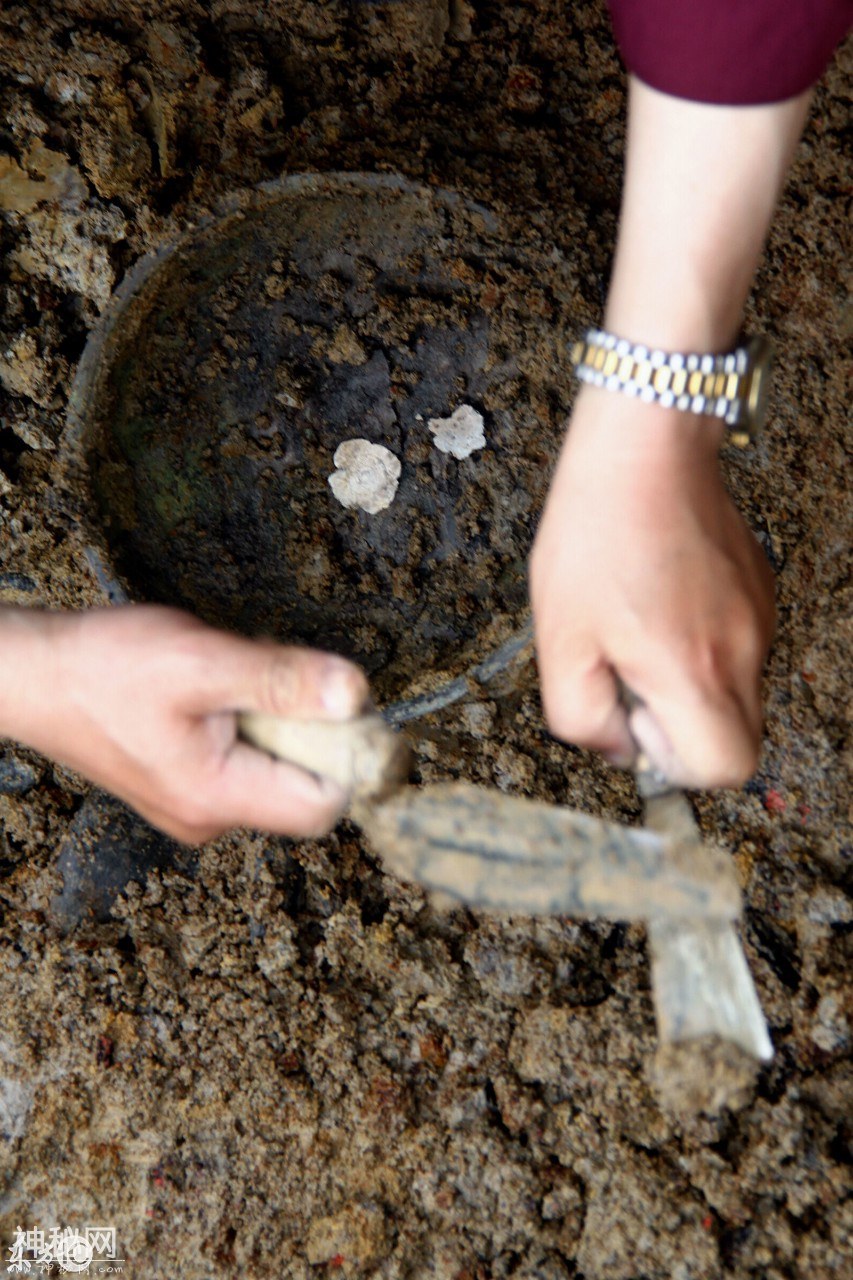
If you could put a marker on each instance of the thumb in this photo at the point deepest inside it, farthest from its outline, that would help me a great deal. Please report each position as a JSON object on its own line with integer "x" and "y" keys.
{"x": 284, "y": 680}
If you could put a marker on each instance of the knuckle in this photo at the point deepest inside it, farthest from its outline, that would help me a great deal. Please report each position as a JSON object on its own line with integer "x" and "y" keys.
{"x": 748, "y": 632}
{"x": 708, "y": 660}
{"x": 731, "y": 773}
{"x": 317, "y": 830}
{"x": 195, "y": 836}
{"x": 705, "y": 662}
{"x": 281, "y": 682}
{"x": 744, "y": 762}
{"x": 731, "y": 760}
{"x": 576, "y": 705}
{"x": 563, "y": 726}
{"x": 191, "y": 833}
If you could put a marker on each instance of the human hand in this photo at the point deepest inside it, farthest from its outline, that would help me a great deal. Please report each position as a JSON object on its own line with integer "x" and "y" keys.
{"x": 142, "y": 700}
{"x": 643, "y": 569}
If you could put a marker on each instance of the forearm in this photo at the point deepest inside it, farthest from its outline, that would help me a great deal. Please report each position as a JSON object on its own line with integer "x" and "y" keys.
{"x": 701, "y": 185}
{"x": 669, "y": 590}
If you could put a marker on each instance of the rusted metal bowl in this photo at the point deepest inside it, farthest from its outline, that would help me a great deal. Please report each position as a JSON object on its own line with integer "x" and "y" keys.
{"x": 229, "y": 367}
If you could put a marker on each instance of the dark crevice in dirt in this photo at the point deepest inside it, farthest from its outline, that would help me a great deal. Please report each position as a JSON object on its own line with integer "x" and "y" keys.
{"x": 496, "y": 1119}
{"x": 309, "y": 935}
{"x": 172, "y": 192}
{"x": 12, "y": 449}
{"x": 126, "y": 947}
{"x": 773, "y": 1080}
{"x": 293, "y": 880}
{"x": 74, "y": 330}
{"x": 841, "y": 1147}
{"x": 373, "y": 904}
{"x": 775, "y": 946}
{"x": 614, "y": 941}
{"x": 215, "y": 46}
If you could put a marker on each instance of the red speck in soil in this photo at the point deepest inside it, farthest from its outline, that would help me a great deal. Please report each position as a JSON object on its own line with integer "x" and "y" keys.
{"x": 707, "y": 1222}
{"x": 104, "y": 1051}
{"x": 337, "y": 1261}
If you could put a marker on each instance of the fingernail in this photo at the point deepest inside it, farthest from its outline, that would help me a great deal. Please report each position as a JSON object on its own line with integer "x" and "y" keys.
{"x": 653, "y": 740}
{"x": 341, "y": 690}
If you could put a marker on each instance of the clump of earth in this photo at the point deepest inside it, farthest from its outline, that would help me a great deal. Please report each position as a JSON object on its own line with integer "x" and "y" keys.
{"x": 271, "y": 1057}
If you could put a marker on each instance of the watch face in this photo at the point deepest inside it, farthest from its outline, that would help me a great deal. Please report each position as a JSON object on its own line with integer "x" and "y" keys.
{"x": 760, "y": 357}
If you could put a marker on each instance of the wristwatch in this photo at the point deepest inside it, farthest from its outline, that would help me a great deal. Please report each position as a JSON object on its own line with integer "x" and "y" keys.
{"x": 732, "y": 385}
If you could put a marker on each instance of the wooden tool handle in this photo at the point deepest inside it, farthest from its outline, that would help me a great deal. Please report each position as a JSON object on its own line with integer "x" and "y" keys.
{"x": 650, "y": 781}
{"x": 364, "y": 756}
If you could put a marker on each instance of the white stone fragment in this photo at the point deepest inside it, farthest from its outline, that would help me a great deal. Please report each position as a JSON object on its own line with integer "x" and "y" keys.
{"x": 367, "y": 475}
{"x": 829, "y": 905}
{"x": 832, "y": 1028}
{"x": 460, "y": 434}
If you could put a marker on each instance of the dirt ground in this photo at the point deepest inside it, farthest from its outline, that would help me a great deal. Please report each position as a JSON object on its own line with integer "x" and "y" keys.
{"x": 277, "y": 1060}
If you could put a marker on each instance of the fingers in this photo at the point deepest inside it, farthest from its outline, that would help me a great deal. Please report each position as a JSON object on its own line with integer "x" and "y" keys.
{"x": 701, "y": 720}
{"x": 257, "y": 791}
{"x": 706, "y": 743}
{"x": 699, "y": 723}
{"x": 581, "y": 702}
{"x": 251, "y": 788}
{"x": 248, "y": 789}
{"x": 145, "y": 705}
{"x": 284, "y": 680}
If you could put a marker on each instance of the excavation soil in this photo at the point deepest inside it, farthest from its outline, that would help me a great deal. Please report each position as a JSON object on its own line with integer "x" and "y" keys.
{"x": 272, "y": 1059}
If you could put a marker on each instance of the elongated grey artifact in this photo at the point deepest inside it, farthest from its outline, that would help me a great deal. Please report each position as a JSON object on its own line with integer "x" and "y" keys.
{"x": 502, "y": 853}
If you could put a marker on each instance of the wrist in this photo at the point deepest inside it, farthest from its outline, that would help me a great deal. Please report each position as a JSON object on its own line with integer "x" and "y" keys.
{"x": 681, "y": 315}
{"x": 29, "y": 687}
{"x": 616, "y": 431}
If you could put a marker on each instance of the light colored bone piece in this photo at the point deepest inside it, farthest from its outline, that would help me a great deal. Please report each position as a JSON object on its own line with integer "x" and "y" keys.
{"x": 460, "y": 434}
{"x": 364, "y": 756}
{"x": 367, "y": 475}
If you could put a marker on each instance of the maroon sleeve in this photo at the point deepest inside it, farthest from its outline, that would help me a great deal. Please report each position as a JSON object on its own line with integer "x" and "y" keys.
{"x": 737, "y": 52}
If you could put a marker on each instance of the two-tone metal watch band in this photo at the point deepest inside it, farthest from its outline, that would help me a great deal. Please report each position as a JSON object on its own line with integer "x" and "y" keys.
{"x": 731, "y": 386}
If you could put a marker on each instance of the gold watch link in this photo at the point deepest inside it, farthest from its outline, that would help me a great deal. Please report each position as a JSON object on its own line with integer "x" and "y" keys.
{"x": 731, "y": 385}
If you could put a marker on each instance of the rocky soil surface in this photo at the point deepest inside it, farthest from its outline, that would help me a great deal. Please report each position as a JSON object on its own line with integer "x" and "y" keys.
{"x": 274, "y": 1059}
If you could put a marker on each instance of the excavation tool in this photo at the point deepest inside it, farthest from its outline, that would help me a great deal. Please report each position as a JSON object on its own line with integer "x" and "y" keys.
{"x": 701, "y": 981}
{"x": 492, "y": 851}
{"x": 505, "y": 853}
